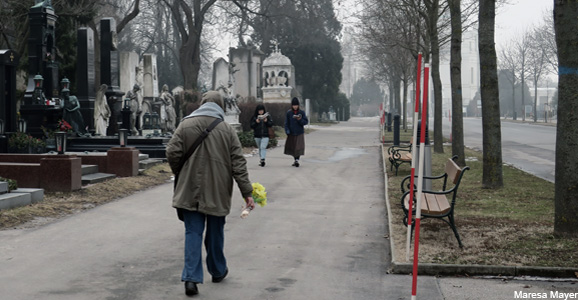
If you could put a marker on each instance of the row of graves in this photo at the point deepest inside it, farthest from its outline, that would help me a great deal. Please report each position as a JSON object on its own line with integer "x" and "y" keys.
{"x": 50, "y": 138}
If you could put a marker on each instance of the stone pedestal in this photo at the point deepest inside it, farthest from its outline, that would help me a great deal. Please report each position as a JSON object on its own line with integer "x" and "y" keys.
{"x": 61, "y": 173}
{"x": 123, "y": 161}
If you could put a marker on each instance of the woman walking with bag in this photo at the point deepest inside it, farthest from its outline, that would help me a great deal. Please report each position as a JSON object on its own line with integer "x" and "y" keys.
{"x": 295, "y": 120}
{"x": 261, "y": 122}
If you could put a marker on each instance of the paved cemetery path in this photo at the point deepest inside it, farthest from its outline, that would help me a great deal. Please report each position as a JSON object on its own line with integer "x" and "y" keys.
{"x": 320, "y": 237}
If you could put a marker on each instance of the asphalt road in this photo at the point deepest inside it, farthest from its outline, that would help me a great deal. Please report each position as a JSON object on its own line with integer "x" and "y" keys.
{"x": 323, "y": 235}
{"x": 527, "y": 146}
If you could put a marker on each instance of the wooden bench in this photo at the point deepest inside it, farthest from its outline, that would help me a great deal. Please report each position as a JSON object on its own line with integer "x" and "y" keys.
{"x": 437, "y": 204}
{"x": 398, "y": 155}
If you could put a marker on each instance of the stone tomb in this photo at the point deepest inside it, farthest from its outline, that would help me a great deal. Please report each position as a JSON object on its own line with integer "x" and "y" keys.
{"x": 109, "y": 72}
{"x": 86, "y": 75}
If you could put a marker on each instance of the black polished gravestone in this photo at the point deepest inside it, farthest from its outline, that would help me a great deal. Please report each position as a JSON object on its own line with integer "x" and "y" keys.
{"x": 41, "y": 55}
{"x": 42, "y": 51}
{"x": 8, "y": 65}
{"x": 110, "y": 72}
{"x": 86, "y": 75}
{"x": 8, "y": 117}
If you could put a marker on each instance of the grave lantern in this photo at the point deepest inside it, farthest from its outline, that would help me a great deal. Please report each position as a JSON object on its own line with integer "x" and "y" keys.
{"x": 1, "y": 127}
{"x": 38, "y": 80}
{"x": 22, "y": 125}
{"x": 126, "y": 103}
{"x": 155, "y": 121}
{"x": 147, "y": 123}
{"x": 60, "y": 137}
{"x": 65, "y": 83}
{"x": 123, "y": 137}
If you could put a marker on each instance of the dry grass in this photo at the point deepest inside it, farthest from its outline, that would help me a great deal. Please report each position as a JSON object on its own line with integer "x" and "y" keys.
{"x": 59, "y": 204}
{"x": 510, "y": 226}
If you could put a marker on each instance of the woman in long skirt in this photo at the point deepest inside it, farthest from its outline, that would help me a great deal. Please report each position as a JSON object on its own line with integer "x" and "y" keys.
{"x": 295, "y": 121}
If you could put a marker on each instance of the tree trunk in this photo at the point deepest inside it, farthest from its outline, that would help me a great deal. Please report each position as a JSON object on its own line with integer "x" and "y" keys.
{"x": 190, "y": 60}
{"x": 523, "y": 96}
{"x": 404, "y": 108}
{"x": 535, "y": 101}
{"x": 456, "y": 82}
{"x": 433, "y": 12}
{"x": 438, "y": 101}
{"x": 492, "y": 135}
{"x": 566, "y": 201}
{"x": 515, "y": 117}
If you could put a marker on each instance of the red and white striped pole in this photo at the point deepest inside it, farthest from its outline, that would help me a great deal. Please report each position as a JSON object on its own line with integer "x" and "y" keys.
{"x": 413, "y": 150}
{"x": 420, "y": 179}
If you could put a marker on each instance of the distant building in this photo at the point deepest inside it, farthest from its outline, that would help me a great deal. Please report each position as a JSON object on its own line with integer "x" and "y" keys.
{"x": 470, "y": 71}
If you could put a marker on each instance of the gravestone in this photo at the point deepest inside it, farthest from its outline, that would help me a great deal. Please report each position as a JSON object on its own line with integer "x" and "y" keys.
{"x": 129, "y": 64}
{"x": 150, "y": 86}
{"x": 8, "y": 65}
{"x": 42, "y": 50}
{"x": 221, "y": 76}
{"x": 86, "y": 75}
{"x": 150, "y": 76}
{"x": 246, "y": 71}
{"x": 41, "y": 55}
{"x": 110, "y": 73}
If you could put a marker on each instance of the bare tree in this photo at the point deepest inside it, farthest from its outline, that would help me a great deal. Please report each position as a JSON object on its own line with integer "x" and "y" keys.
{"x": 522, "y": 47}
{"x": 566, "y": 202}
{"x": 492, "y": 136}
{"x": 508, "y": 61}
{"x": 545, "y": 33}
{"x": 537, "y": 65}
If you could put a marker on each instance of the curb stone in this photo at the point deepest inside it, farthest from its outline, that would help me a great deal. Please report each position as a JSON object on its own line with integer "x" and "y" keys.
{"x": 397, "y": 267}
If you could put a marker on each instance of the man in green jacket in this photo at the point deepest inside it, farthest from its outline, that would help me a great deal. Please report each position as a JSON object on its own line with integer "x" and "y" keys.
{"x": 203, "y": 192}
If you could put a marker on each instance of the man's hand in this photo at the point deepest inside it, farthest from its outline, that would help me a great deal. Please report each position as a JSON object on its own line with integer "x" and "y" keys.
{"x": 250, "y": 202}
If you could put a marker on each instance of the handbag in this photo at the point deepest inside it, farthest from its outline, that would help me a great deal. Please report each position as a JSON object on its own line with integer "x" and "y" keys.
{"x": 271, "y": 132}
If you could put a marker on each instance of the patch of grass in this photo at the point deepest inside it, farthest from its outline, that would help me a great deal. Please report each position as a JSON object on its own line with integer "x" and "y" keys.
{"x": 513, "y": 225}
{"x": 60, "y": 204}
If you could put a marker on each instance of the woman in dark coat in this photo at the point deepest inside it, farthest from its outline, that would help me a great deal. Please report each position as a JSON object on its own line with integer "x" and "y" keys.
{"x": 261, "y": 122}
{"x": 295, "y": 120}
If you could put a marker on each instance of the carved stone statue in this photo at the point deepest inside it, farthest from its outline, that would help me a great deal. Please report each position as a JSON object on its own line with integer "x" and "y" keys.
{"x": 231, "y": 107}
{"x": 168, "y": 107}
{"x": 71, "y": 113}
{"x": 102, "y": 111}
{"x": 135, "y": 107}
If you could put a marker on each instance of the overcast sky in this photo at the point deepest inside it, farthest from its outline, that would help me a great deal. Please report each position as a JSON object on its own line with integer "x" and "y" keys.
{"x": 517, "y": 17}
{"x": 512, "y": 19}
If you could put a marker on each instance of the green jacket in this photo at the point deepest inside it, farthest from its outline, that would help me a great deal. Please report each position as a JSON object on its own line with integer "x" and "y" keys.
{"x": 206, "y": 180}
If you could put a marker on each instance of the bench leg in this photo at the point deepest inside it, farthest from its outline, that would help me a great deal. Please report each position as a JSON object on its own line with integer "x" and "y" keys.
{"x": 453, "y": 226}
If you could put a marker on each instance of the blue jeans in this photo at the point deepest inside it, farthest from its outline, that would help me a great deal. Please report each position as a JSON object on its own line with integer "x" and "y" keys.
{"x": 214, "y": 243}
{"x": 262, "y": 144}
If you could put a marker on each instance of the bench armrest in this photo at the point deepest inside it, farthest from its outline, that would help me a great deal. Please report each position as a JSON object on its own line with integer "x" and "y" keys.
{"x": 405, "y": 185}
{"x": 394, "y": 148}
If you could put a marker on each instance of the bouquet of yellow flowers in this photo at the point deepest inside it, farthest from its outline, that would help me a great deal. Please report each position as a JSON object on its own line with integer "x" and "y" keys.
{"x": 259, "y": 196}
